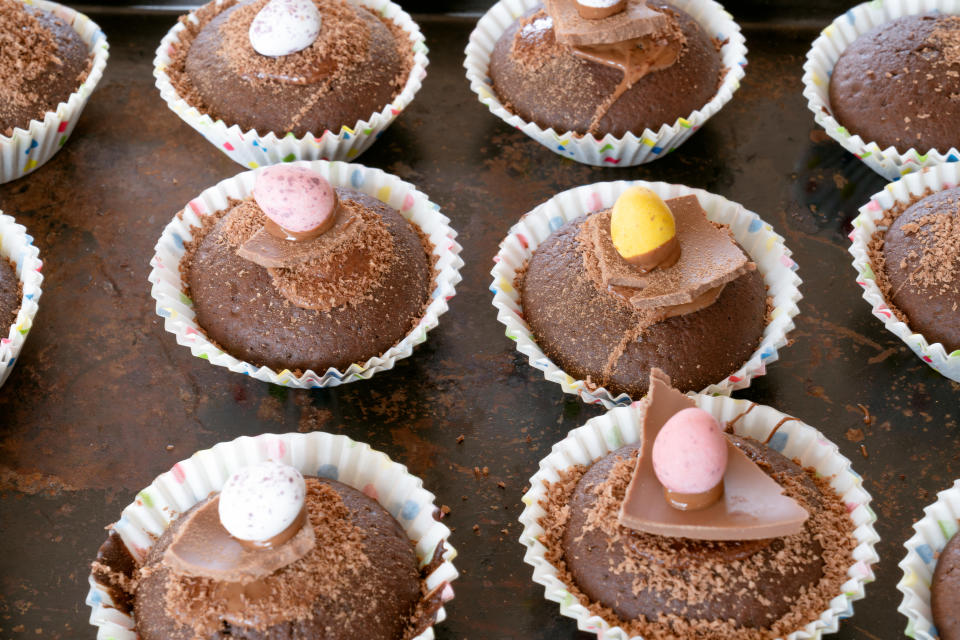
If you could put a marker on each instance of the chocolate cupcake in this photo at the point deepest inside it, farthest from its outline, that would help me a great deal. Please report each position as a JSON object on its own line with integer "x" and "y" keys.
{"x": 879, "y": 81}
{"x": 930, "y": 569}
{"x": 20, "y": 280}
{"x": 904, "y": 247}
{"x": 51, "y": 58}
{"x": 917, "y": 264}
{"x": 893, "y": 84}
{"x": 275, "y": 554}
{"x": 290, "y": 79}
{"x": 695, "y": 528}
{"x": 605, "y": 81}
{"x": 42, "y": 61}
{"x": 645, "y": 284}
{"x": 302, "y": 283}
{"x": 600, "y": 86}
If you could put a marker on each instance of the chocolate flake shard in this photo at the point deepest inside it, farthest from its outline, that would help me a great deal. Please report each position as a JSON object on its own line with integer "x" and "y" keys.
{"x": 753, "y": 505}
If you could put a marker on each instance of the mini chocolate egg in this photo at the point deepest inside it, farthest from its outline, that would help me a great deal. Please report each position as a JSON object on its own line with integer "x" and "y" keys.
{"x": 598, "y": 9}
{"x": 283, "y": 27}
{"x": 643, "y": 229}
{"x": 299, "y": 201}
{"x": 690, "y": 453}
{"x": 262, "y": 501}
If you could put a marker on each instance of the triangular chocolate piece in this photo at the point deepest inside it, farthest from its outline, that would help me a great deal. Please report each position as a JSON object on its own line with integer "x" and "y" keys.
{"x": 636, "y": 21}
{"x": 752, "y": 507}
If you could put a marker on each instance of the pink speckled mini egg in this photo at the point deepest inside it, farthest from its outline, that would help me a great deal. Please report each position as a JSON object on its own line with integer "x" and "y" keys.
{"x": 296, "y": 198}
{"x": 690, "y": 452}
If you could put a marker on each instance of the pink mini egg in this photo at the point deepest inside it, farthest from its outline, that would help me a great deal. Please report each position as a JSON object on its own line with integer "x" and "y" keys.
{"x": 298, "y": 200}
{"x": 690, "y": 452}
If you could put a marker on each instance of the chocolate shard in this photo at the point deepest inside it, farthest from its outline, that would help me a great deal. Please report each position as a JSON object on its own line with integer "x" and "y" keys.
{"x": 636, "y": 21}
{"x": 267, "y": 250}
{"x": 203, "y": 548}
{"x": 709, "y": 258}
{"x": 753, "y": 506}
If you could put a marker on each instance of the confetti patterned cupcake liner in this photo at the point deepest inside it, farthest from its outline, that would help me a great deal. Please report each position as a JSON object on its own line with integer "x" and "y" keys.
{"x": 932, "y": 532}
{"x": 176, "y": 307}
{"x": 17, "y": 247}
{"x": 910, "y": 188}
{"x": 318, "y": 454}
{"x": 253, "y": 149}
{"x": 609, "y": 151}
{"x": 794, "y": 439}
{"x": 818, "y": 68}
{"x": 761, "y": 242}
{"x": 29, "y": 148}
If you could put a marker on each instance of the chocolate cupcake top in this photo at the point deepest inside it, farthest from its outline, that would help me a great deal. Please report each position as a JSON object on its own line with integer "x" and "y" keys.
{"x": 899, "y": 84}
{"x": 304, "y": 276}
{"x": 721, "y": 564}
{"x": 916, "y": 261}
{"x": 274, "y": 556}
{"x": 42, "y": 61}
{"x": 945, "y": 591}
{"x": 300, "y": 66}
{"x": 644, "y": 65}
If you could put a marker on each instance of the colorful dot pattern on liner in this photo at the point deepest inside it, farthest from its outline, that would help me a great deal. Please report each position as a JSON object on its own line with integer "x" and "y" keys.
{"x": 251, "y": 149}
{"x": 761, "y": 242}
{"x": 17, "y": 246}
{"x": 823, "y": 55}
{"x": 609, "y": 151}
{"x": 321, "y": 454}
{"x": 796, "y": 440}
{"x": 27, "y": 149}
{"x": 176, "y": 308}
{"x": 934, "y": 178}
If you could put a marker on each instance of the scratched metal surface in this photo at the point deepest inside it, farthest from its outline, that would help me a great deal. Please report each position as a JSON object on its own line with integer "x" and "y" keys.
{"x": 102, "y": 392}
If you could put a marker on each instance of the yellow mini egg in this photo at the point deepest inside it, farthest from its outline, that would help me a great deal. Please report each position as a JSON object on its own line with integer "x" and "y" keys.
{"x": 640, "y": 223}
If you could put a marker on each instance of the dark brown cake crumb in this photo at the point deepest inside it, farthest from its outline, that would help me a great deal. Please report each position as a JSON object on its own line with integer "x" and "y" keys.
{"x": 689, "y": 570}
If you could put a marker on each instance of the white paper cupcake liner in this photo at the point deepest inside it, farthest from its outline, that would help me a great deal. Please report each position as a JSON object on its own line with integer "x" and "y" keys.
{"x": 17, "y": 247}
{"x": 796, "y": 440}
{"x": 609, "y": 151}
{"x": 318, "y": 454}
{"x": 761, "y": 242}
{"x": 932, "y": 532}
{"x": 818, "y": 68}
{"x": 29, "y": 148}
{"x": 910, "y": 188}
{"x": 176, "y": 307}
{"x": 253, "y": 149}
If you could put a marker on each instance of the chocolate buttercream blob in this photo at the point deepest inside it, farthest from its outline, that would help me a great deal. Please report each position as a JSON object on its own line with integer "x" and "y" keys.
{"x": 596, "y": 335}
{"x": 10, "y": 290}
{"x": 917, "y": 265}
{"x": 242, "y": 307}
{"x": 554, "y": 85}
{"x": 660, "y": 587}
{"x": 356, "y": 66}
{"x": 945, "y": 591}
{"x": 752, "y": 507}
{"x": 899, "y": 84}
{"x": 42, "y": 61}
{"x": 629, "y": 20}
{"x": 203, "y": 548}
